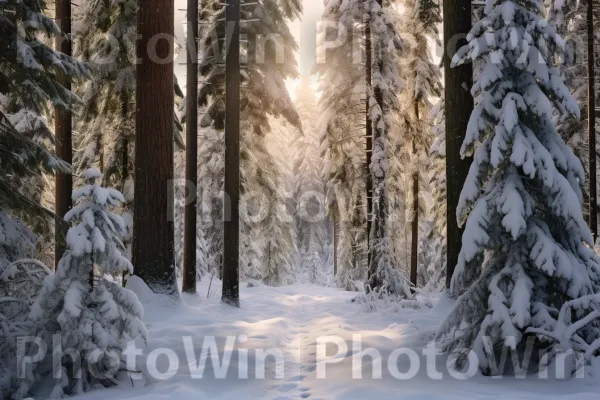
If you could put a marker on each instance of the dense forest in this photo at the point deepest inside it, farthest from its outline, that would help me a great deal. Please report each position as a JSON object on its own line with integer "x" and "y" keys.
{"x": 425, "y": 180}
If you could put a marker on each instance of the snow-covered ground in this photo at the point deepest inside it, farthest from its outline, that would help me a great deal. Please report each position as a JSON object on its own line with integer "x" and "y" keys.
{"x": 289, "y": 320}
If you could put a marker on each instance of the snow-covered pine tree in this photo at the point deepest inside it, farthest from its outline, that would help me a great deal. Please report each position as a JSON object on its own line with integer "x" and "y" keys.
{"x": 93, "y": 315}
{"x": 423, "y": 82}
{"x": 264, "y": 96}
{"x": 526, "y": 248}
{"x": 342, "y": 126}
{"x": 310, "y": 223}
{"x": 388, "y": 48}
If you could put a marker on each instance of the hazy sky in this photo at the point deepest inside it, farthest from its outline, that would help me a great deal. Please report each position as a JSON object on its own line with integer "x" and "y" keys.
{"x": 304, "y": 31}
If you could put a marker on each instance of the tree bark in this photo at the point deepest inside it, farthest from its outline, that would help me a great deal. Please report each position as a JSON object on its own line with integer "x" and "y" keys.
{"x": 414, "y": 253}
{"x": 593, "y": 200}
{"x": 369, "y": 128}
{"x": 191, "y": 144}
{"x": 377, "y": 225}
{"x": 64, "y": 136}
{"x": 231, "y": 233}
{"x": 458, "y": 108}
{"x": 153, "y": 239}
{"x": 335, "y": 244}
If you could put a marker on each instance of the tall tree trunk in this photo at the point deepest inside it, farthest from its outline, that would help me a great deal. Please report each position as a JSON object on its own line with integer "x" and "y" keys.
{"x": 379, "y": 206}
{"x": 335, "y": 243}
{"x": 191, "y": 144}
{"x": 125, "y": 143}
{"x": 153, "y": 238}
{"x": 592, "y": 121}
{"x": 414, "y": 253}
{"x": 231, "y": 233}
{"x": 64, "y": 136}
{"x": 369, "y": 128}
{"x": 458, "y": 108}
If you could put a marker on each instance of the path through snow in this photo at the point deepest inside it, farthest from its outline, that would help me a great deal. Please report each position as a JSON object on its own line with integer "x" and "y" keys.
{"x": 290, "y": 319}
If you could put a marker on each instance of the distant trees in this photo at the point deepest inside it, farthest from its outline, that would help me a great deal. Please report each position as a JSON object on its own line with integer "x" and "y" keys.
{"x": 311, "y": 224}
{"x": 432, "y": 255}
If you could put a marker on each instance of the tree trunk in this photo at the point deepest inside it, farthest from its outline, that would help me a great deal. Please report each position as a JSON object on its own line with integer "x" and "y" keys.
{"x": 414, "y": 251}
{"x": 191, "y": 144}
{"x": 369, "y": 129}
{"x": 592, "y": 121}
{"x": 125, "y": 143}
{"x": 335, "y": 244}
{"x": 64, "y": 136}
{"x": 231, "y": 233}
{"x": 379, "y": 208}
{"x": 153, "y": 238}
{"x": 458, "y": 108}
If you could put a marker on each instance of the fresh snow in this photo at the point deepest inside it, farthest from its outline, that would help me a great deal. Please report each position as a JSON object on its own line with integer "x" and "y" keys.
{"x": 291, "y": 318}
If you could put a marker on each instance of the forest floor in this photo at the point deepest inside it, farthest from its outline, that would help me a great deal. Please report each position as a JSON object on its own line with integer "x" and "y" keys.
{"x": 289, "y": 321}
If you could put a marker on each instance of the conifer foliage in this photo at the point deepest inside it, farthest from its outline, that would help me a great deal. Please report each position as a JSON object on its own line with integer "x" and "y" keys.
{"x": 526, "y": 248}
{"x": 30, "y": 73}
{"x": 93, "y": 315}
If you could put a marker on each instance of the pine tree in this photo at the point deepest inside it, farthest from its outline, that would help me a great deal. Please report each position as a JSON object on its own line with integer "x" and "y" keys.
{"x": 342, "y": 102}
{"x": 263, "y": 96}
{"x": 383, "y": 105}
{"x": 92, "y": 314}
{"x": 423, "y": 82}
{"x": 526, "y": 248}
{"x": 31, "y": 73}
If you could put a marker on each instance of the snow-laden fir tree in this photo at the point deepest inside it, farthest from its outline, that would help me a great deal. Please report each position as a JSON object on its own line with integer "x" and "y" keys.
{"x": 310, "y": 221}
{"x": 382, "y": 95}
{"x": 266, "y": 240}
{"x": 526, "y": 266}
{"x": 93, "y": 315}
{"x": 419, "y": 28}
{"x": 341, "y": 72}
